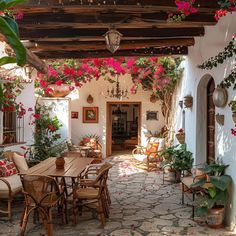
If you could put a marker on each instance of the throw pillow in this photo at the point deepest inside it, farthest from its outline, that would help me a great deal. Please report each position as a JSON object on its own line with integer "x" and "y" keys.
{"x": 20, "y": 162}
{"x": 152, "y": 147}
{"x": 7, "y": 168}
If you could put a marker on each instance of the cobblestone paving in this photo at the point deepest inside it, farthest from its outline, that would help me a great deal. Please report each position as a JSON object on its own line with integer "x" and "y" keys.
{"x": 141, "y": 205}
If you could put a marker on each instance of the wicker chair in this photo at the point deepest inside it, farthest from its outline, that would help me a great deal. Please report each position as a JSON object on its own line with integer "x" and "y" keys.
{"x": 150, "y": 155}
{"x": 90, "y": 191}
{"x": 42, "y": 193}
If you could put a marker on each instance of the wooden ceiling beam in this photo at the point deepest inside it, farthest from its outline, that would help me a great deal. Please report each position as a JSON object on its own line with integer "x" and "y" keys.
{"x": 120, "y": 53}
{"x": 100, "y": 45}
{"x": 142, "y": 32}
{"x": 100, "y": 3}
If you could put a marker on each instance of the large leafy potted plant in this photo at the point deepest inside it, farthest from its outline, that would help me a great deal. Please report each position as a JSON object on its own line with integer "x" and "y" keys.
{"x": 214, "y": 194}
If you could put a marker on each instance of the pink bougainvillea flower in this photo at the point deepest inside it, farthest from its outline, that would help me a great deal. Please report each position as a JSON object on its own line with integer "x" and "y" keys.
{"x": 130, "y": 63}
{"x": 43, "y": 83}
{"x": 71, "y": 88}
{"x": 220, "y": 13}
{"x": 59, "y": 82}
{"x": 48, "y": 91}
{"x": 186, "y": 7}
{"x": 37, "y": 116}
{"x": 52, "y": 72}
{"x": 19, "y": 15}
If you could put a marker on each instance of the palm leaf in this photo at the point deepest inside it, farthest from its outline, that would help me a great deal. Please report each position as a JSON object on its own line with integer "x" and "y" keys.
{"x": 5, "y": 4}
{"x": 6, "y": 60}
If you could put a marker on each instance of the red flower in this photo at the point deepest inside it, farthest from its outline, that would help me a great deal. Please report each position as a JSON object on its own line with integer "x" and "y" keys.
{"x": 59, "y": 82}
{"x": 52, "y": 72}
{"x": 30, "y": 109}
{"x": 43, "y": 83}
{"x": 181, "y": 130}
{"x": 37, "y": 116}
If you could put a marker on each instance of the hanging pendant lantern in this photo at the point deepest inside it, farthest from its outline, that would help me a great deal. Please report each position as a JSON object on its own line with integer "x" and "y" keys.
{"x": 113, "y": 38}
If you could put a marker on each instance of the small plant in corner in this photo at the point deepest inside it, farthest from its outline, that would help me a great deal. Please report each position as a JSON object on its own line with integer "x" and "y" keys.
{"x": 214, "y": 193}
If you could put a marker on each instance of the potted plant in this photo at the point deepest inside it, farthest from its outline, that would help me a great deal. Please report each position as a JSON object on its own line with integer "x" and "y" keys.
{"x": 214, "y": 194}
{"x": 232, "y": 104}
{"x": 180, "y": 136}
{"x": 177, "y": 159}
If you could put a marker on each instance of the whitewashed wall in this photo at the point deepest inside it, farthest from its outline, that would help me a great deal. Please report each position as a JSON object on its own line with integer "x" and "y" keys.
{"x": 215, "y": 39}
{"x": 98, "y": 90}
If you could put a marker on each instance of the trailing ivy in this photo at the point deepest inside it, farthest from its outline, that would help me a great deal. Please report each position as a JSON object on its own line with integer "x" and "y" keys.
{"x": 228, "y": 52}
{"x": 230, "y": 80}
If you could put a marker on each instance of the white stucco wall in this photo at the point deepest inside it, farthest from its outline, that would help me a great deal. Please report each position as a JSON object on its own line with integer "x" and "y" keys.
{"x": 215, "y": 39}
{"x": 98, "y": 90}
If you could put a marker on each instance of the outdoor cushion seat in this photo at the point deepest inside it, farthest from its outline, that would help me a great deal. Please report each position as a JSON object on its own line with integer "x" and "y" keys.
{"x": 87, "y": 193}
{"x": 15, "y": 184}
{"x": 20, "y": 162}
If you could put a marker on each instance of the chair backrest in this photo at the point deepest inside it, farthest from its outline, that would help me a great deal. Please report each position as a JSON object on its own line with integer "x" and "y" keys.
{"x": 161, "y": 142}
{"x": 40, "y": 189}
{"x": 102, "y": 174}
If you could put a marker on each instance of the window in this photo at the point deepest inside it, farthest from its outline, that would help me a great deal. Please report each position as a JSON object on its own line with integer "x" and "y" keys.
{"x": 11, "y": 131}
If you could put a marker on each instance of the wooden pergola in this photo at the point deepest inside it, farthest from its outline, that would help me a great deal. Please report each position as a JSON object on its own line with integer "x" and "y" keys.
{"x": 76, "y": 28}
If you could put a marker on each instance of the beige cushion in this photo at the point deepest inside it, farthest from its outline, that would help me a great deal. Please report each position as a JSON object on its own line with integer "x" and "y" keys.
{"x": 20, "y": 162}
{"x": 140, "y": 157}
{"x": 87, "y": 193}
{"x": 15, "y": 183}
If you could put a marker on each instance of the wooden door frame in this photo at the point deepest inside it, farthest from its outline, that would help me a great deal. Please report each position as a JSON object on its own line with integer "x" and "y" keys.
{"x": 109, "y": 122}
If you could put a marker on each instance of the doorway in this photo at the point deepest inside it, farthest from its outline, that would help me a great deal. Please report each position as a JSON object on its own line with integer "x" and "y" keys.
{"x": 123, "y": 126}
{"x": 210, "y": 122}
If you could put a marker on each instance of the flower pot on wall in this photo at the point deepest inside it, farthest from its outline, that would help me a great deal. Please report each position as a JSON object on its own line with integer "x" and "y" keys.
{"x": 90, "y": 99}
{"x": 234, "y": 117}
{"x": 180, "y": 137}
{"x": 59, "y": 90}
{"x": 220, "y": 97}
{"x": 220, "y": 119}
{"x": 188, "y": 101}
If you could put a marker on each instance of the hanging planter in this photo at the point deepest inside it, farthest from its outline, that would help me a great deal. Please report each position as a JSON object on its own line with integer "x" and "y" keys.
{"x": 89, "y": 99}
{"x": 234, "y": 117}
{"x": 180, "y": 136}
{"x": 153, "y": 98}
{"x": 188, "y": 101}
{"x": 220, "y": 119}
{"x": 220, "y": 96}
{"x": 59, "y": 90}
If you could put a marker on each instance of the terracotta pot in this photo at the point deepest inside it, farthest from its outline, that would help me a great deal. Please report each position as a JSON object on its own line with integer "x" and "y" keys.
{"x": 234, "y": 117}
{"x": 90, "y": 99}
{"x": 215, "y": 217}
{"x": 220, "y": 119}
{"x": 188, "y": 101}
{"x": 60, "y": 163}
{"x": 59, "y": 91}
{"x": 220, "y": 97}
{"x": 153, "y": 98}
{"x": 180, "y": 137}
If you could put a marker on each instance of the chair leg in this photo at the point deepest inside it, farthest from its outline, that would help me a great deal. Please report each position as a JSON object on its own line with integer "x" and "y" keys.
{"x": 24, "y": 221}
{"x": 74, "y": 211}
{"x": 49, "y": 223}
{"x": 100, "y": 211}
{"x": 107, "y": 195}
{"x": 9, "y": 209}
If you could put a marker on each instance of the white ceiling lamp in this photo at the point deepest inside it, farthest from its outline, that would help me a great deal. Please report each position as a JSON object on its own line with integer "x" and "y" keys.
{"x": 112, "y": 38}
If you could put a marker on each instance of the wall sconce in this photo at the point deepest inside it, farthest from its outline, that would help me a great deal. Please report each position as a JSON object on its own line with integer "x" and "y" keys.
{"x": 90, "y": 99}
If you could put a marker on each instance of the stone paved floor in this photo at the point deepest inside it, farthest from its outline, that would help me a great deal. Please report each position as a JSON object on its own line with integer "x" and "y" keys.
{"x": 141, "y": 205}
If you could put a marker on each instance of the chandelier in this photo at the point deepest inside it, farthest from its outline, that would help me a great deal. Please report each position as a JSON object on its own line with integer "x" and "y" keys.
{"x": 112, "y": 38}
{"x": 117, "y": 92}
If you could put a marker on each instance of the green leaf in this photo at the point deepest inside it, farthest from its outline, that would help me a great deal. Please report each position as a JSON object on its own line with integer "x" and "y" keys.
{"x": 202, "y": 211}
{"x": 5, "y": 4}
{"x": 212, "y": 192}
{"x": 6, "y": 60}
{"x": 199, "y": 183}
{"x": 12, "y": 23}
{"x": 221, "y": 182}
{"x": 14, "y": 41}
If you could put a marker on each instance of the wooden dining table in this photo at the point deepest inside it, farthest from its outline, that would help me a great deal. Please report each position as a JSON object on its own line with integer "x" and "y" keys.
{"x": 73, "y": 168}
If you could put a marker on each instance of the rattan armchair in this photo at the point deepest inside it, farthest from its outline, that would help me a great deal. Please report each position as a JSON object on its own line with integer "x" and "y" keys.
{"x": 42, "y": 193}
{"x": 89, "y": 191}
